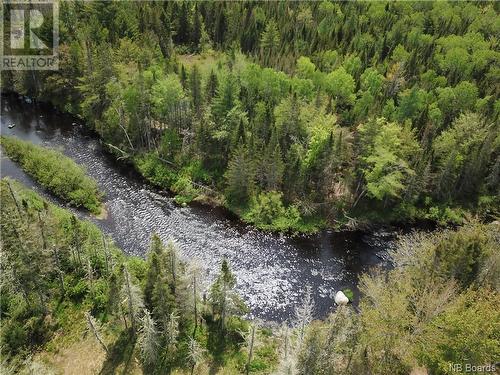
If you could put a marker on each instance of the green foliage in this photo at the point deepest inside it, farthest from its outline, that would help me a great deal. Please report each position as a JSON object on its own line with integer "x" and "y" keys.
{"x": 184, "y": 189}
{"x": 14, "y": 336}
{"x": 444, "y": 215}
{"x": 464, "y": 334}
{"x": 461, "y": 255}
{"x": 437, "y": 290}
{"x": 387, "y": 150}
{"x": 166, "y": 94}
{"x": 196, "y": 82}
{"x": 154, "y": 170}
{"x": 438, "y": 305}
{"x": 112, "y": 292}
{"x": 77, "y": 290}
{"x": 239, "y": 178}
{"x": 225, "y": 301}
{"x": 462, "y": 152}
{"x": 340, "y": 85}
{"x": 45, "y": 265}
{"x": 349, "y": 294}
{"x": 163, "y": 175}
{"x": 267, "y": 212}
{"x": 56, "y": 172}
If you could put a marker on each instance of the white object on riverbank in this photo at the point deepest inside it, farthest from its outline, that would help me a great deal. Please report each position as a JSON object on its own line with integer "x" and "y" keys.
{"x": 341, "y": 298}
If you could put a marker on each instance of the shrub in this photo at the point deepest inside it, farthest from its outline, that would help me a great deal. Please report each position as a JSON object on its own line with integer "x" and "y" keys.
{"x": 14, "y": 336}
{"x": 184, "y": 189}
{"x": 444, "y": 215}
{"x": 349, "y": 294}
{"x": 267, "y": 212}
{"x": 460, "y": 254}
{"x": 155, "y": 171}
{"x": 78, "y": 291}
{"x": 99, "y": 297}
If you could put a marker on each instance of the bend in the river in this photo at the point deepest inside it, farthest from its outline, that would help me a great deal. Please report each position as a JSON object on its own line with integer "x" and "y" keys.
{"x": 272, "y": 270}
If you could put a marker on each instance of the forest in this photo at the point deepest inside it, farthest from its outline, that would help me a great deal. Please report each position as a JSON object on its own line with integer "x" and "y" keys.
{"x": 294, "y": 115}
{"x": 70, "y": 297}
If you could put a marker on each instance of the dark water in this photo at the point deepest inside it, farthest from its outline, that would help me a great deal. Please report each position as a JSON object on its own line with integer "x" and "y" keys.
{"x": 272, "y": 270}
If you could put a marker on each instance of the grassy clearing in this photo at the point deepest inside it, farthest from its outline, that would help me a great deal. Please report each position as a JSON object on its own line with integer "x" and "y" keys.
{"x": 205, "y": 61}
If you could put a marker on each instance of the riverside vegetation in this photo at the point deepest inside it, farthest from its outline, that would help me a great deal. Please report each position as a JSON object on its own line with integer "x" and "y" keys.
{"x": 69, "y": 296}
{"x": 58, "y": 173}
{"x": 295, "y": 115}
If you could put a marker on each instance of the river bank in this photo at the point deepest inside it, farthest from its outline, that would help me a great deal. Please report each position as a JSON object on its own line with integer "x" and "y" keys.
{"x": 59, "y": 174}
{"x": 272, "y": 269}
{"x": 196, "y": 195}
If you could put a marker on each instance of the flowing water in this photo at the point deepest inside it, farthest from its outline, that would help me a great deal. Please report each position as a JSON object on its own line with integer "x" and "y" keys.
{"x": 272, "y": 270}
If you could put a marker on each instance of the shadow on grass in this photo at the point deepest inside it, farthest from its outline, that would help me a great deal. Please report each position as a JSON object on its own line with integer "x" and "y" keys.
{"x": 221, "y": 346}
{"x": 121, "y": 352}
{"x": 216, "y": 345}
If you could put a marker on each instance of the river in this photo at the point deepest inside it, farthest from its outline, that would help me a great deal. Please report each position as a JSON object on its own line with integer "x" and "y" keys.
{"x": 272, "y": 270}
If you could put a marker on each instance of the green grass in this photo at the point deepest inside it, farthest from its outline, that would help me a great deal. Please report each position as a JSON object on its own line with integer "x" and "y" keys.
{"x": 56, "y": 172}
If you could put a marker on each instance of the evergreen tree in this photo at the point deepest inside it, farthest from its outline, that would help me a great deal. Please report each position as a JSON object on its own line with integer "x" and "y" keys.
{"x": 239, "y": 177}
{"x": 162, "y": 28}
{"x": 222, "y": 296}
{"x": 195, "y": 86}
{"x": 226, "y": 98}
{"x": 184, "y": 77}
{"x": 269, "y": 42}
{"x": 197, "y": 29}
{"x": 163, "y": 302}
{"x": 212, "y": 86}
{"x": 220, "y": 24}
{"x": 155, "y": 258}
{"x": 184, "y": 30}
{"x": 240, "y": 134}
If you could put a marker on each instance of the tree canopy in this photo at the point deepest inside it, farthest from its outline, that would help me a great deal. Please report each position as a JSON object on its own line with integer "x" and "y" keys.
{"x": 226, "y": 98}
